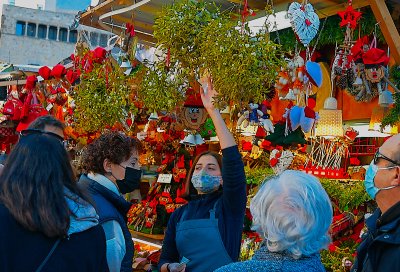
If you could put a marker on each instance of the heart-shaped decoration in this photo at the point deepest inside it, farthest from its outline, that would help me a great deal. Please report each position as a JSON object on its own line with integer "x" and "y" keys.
{"x": 280, "y": 160}
{"x": 304, "y": 21}
{"x": 307, "y": 119}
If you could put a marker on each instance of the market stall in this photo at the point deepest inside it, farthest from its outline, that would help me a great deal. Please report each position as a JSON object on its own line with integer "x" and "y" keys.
{"x": 320, "y": 97}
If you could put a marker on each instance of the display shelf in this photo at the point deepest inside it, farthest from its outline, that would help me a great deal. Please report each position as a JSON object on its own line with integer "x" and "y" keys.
{"x": 153, "y": 240}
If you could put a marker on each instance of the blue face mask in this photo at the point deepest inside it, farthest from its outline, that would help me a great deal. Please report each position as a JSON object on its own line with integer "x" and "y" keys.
{"x": 205, "y": 183}
{"x": 369, "y": 180}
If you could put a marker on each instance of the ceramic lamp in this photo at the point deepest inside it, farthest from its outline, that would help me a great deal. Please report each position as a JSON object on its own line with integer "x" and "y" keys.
{"x": 385, "y": 99}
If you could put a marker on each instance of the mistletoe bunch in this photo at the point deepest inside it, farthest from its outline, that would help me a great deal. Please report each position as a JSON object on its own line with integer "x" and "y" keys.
{"x": 243, "y": 66}
{"x": 102, "y": 97}
{"x": 199, "y": 36}
{"x": 163, "y": 88}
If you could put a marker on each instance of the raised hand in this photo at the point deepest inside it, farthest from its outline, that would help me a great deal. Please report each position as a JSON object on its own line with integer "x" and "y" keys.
{"x": 207, "y": 93}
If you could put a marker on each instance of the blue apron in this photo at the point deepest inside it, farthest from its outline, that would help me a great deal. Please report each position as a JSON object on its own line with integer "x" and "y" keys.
{"x": 199, "y": 241}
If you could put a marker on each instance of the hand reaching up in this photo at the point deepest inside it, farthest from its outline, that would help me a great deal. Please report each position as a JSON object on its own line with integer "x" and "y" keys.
{"x": 207, "y": 93}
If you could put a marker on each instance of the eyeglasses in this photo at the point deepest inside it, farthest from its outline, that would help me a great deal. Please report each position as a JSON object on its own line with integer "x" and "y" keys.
{"x": 379, "y": 155}
{"x": 27, "y": 132}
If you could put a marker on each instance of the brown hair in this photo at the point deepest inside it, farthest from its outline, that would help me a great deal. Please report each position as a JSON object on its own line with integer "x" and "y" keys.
{"x": 188, "y": 184}
{"x": 32, "y": 185}
{"x": 113, "y": 146}
{"x": 46, "y": 120}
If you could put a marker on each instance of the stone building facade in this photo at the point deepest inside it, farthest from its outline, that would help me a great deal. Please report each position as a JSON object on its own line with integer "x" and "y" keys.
{"x": 41, "y": 37}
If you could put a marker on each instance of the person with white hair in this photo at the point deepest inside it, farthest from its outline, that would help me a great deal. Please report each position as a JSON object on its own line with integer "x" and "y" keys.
{"x": 292, "y": 213}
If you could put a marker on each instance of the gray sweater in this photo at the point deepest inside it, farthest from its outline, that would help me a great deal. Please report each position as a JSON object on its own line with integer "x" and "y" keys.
{"x": 264, "y": 260}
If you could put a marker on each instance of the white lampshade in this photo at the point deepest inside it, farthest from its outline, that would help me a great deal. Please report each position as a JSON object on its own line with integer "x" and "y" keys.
{"x": 330, "y": 103}
{"x": 189, "y": 140}
{"x": 385, "y": 99}
{"x": 128, "y": 71}
{"x": 153, "y": 116}
{"x": 198, "y": 139}
{"x": 126, "y": 64}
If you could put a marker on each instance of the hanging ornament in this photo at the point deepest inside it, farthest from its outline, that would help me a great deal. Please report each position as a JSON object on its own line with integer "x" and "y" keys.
{"x": 193, "y": 114}
{"x": 304, "y": 21}
{"x": 349, "y": 17}
{"x": 280, "y": 160}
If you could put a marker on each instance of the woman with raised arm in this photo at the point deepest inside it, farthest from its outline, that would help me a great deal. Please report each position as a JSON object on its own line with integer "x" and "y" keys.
{"x": 206, "y": 233}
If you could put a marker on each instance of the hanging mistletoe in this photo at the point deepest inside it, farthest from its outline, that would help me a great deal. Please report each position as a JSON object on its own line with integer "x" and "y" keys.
{"x": 102, "y": 97}
{"x": 199, "y": 36}
{"x": 243, "y": 67}
{"x": 163, "y": 88}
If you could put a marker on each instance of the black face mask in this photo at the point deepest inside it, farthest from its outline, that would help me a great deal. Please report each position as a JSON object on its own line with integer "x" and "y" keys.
{"x": 131, "y": 181}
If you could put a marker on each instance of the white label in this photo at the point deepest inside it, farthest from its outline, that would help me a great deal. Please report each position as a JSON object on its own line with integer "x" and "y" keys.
{"x": 49, "y": 107}
{"x": 164, "y": 178}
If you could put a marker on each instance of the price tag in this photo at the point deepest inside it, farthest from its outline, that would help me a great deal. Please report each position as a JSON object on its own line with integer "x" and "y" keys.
{"x": 49, "y": 107}
{"x": 164, "y": 178}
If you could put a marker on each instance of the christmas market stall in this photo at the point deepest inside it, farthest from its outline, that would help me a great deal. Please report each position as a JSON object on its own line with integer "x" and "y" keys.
{"x": 320, "y": 96}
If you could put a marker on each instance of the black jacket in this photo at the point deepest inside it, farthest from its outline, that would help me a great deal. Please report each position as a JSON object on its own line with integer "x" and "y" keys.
{"x": 22, "y": 250}
{"x": 380, "y": 248}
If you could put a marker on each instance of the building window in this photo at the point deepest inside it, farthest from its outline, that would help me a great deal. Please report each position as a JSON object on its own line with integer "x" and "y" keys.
{"x": 20, "y": 30}
{"x": 31, "y": 30}
{"x": 94, "y": 38}
{"x": 53, "y": 33}
{"x": 73, "y": 36}
{"x": 103, "y": 40}
{"x": 62, "y": 36}
{"x": 42, "y": 31}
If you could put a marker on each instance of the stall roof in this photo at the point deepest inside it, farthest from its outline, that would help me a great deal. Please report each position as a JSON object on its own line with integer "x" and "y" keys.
{"x": 109, "y": 14}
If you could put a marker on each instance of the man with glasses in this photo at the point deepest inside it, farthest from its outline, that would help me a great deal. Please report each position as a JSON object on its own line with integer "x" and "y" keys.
{"x": 43, "y": 124}
{"x": 48, "y": 123}
{"x": 380, "y": 248}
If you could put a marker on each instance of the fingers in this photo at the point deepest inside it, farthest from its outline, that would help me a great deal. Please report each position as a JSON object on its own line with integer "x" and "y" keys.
{"x": 210, "y": 83}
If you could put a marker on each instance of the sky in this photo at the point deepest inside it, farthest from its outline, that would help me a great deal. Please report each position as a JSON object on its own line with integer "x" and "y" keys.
{"x": 73, "y": 4}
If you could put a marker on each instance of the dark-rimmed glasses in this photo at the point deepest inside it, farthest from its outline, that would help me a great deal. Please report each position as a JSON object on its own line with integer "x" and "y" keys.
{"x": 38, "y": 131}
{"x": 379, "y": 155}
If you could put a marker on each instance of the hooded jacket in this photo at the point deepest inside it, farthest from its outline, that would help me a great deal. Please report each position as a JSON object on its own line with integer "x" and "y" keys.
{"x": 84, "y": 249}
{"x": 380, "y": 248}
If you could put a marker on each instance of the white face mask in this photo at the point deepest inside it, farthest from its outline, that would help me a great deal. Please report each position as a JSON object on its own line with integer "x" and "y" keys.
{"x": 205, "y": 183}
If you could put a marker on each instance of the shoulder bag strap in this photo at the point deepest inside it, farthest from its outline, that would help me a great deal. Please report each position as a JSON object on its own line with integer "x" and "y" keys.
{"x": 48, "y": 256}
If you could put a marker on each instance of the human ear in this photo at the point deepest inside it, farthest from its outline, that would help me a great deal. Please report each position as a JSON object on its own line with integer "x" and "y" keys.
{"x": 396, "y": 179}
{"x": 107, "y": 165}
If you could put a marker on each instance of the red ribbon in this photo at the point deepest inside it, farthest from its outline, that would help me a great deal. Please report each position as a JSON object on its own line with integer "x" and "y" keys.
{"x": 130, "y": 29}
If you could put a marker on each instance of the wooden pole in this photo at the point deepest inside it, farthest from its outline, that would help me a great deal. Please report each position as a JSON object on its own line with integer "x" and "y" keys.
{"x": 387, "y": 26}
